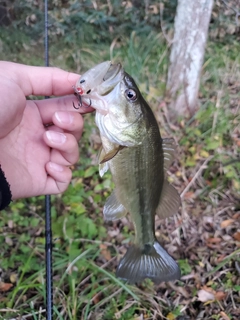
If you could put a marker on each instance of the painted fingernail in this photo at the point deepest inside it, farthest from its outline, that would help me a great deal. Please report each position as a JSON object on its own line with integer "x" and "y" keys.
{"x": 56, "y": 137}
{"x": 64, "y": 117}
{"x": 56, "y": 167}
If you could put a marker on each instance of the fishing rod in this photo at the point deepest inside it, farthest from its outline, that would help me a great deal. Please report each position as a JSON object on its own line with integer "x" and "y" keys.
{"x": 48, "y": 222}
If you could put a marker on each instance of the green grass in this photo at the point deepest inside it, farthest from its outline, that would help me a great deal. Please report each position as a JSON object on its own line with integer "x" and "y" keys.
{"x": 86, "y": 249}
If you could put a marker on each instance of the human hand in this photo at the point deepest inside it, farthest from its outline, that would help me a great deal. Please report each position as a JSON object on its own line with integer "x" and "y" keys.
{"x": 36, "y": 157}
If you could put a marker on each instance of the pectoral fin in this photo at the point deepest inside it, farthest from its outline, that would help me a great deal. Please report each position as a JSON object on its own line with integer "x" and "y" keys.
{"x": 169, "y": 201}
{"x": 103, "y": 167}
{"x": 113, "y": 209}
{"x": 169, "y": 151}
{"x": 104, "y": 157}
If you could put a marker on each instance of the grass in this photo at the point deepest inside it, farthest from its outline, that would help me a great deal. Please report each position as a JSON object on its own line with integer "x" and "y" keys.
{"x": 203, "y": 237}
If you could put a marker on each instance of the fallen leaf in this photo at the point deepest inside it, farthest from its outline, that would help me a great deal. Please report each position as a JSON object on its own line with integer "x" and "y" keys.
{"x": 236, "y": 216}
{"x": 105, "y": 252}
{"x": 13, "y": 277}
{"x": 10, "y": 224}
{"x": 220, "y": 295}
{"x": 226, "y": 223}
{"x": 171, "y": 316}
{"x": 189, "y": 195}
{"x": 204, "y": 154}
{"x": 9, "y": 241}
{"x": 224, "y": 315}
{"x": 205, "y": 296}
{"x": 5, "y": 286}
{"x": 236, "y": 236}
{"x": 221, "y": 258}
{"x": 214, "y": 240}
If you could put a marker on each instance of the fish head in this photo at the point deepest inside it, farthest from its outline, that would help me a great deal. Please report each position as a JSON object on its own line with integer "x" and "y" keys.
{"x": 119, "y": 104}
{"x": 123, "y": 122}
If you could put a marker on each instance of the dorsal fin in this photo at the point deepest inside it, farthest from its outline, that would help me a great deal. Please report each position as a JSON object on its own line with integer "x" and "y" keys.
{"x": 169, "y": 151}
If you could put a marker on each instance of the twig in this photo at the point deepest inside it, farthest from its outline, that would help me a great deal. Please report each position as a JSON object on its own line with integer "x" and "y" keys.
{"x": 203, "y": 166}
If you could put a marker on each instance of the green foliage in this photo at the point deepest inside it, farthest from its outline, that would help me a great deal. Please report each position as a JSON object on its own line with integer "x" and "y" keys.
{"x": 184, "y": 266}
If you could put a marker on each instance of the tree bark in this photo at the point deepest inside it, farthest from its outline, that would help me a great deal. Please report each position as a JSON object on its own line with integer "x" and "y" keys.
{"x": 186, "y": 58}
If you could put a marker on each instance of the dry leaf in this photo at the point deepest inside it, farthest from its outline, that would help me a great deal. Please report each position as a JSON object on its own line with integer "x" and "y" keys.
{"x": 189, "y": 195}
{"x": 13, "y": 277}
{"x": 5, "y": 286}
{"x": 224, "y": 315}
{"x": 221, "y": 258}
{"x": 171, "y": 316}
{"x": 220, "y": 295}
{"x": 105, "y": 252}
{"x": 214, "y": 240}
{"x": 236, "y": 236}
{"x": 226, "y": 223}
{"x": 236, "y": 216}
{"x": 9, "y": 241}
{"x": 205, "y": 296}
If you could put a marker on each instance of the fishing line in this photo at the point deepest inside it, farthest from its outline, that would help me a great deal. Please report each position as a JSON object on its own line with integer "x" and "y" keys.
{"x": 48, "y": 222}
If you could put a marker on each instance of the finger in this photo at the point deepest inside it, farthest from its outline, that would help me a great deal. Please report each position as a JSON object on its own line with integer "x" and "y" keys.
{"x": 69, "y": 121}
{"x": 48, "y": 107}
{"x": 58, "y": 179}
{"x": 40, "y": 80}
{"x": 65, "y": 147}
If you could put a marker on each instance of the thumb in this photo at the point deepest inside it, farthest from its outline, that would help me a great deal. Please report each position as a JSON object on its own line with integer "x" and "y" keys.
{"x": 12, "y": 106}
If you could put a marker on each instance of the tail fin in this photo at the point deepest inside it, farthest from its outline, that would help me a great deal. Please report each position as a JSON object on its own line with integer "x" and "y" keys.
{"x": 152, "y": 262}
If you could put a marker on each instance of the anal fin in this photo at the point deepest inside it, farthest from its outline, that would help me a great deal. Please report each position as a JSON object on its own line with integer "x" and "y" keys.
{"x": 169, "y": 201}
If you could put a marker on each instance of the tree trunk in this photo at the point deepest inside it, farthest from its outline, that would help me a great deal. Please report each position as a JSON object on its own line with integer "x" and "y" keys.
{"x": 186, "y": 58}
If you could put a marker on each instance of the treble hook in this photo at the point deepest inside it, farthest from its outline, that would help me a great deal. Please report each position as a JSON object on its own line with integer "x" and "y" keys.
{"x": 79, "y": 97}
{"x": 80, "y": 104}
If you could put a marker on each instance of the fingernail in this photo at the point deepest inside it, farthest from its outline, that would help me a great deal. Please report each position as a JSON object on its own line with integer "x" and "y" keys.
{"x": 56, "y": 167}
{"x": 64, "y": 117}
{"x": 56, "y": 137}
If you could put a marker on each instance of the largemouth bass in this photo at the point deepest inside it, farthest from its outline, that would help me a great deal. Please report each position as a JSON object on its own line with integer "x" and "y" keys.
{"x": 138, "y": 158}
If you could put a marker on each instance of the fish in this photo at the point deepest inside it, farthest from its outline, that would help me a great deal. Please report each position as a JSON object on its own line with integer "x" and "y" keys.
{"x": 138, "y": 159}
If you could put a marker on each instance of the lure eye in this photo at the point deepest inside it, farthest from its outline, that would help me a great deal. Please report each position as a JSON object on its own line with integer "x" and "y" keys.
{"x": 131, "y": 94}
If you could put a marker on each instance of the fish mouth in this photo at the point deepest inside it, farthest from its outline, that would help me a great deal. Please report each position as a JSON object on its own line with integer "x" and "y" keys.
{"x": 112, "y": 77}
{"x": 112, "y": 72}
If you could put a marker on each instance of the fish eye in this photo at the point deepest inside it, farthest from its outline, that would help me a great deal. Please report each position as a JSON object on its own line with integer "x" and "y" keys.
{"x": 131, "y": 94}
{"x": 82, "y": 81}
